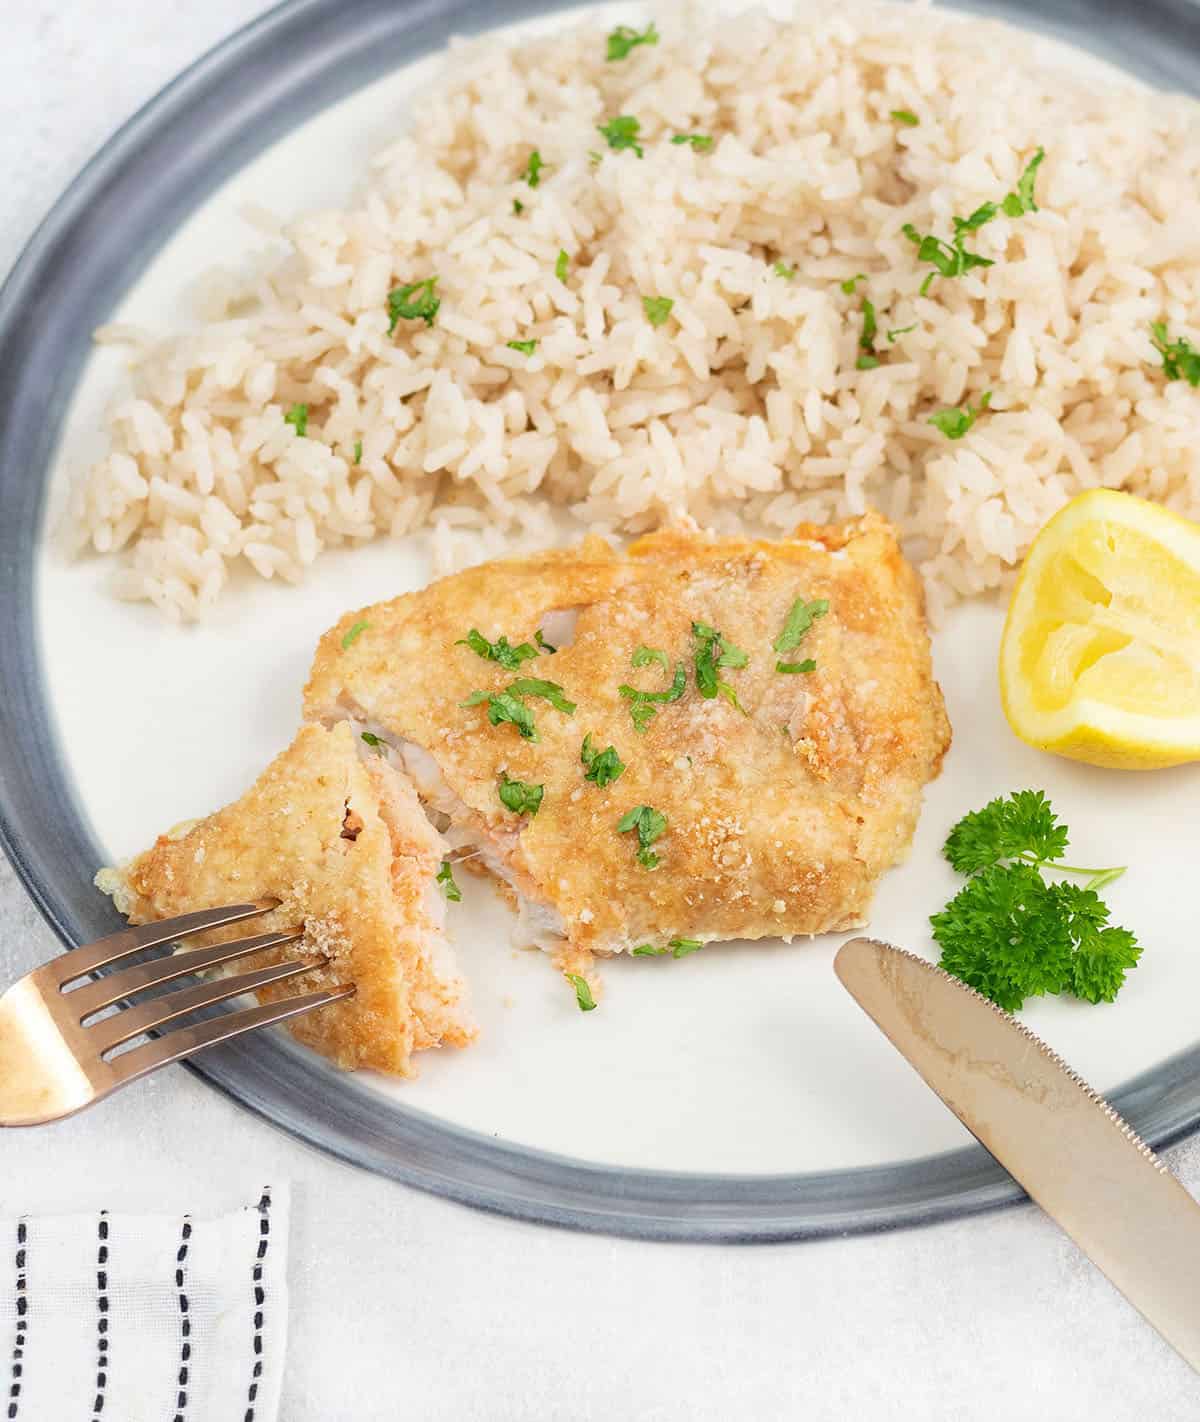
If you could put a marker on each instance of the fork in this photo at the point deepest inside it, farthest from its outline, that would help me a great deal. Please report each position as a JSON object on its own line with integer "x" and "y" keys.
{"x": 53, "y": 1062}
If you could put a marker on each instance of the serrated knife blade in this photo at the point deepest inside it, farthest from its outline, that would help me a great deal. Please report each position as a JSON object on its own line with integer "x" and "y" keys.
{"x": 1061, "y": 1140}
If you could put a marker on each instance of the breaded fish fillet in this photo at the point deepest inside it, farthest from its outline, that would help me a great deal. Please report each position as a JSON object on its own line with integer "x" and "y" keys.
{"x": 753, "y": 801}
{"x": 342, "y": 842}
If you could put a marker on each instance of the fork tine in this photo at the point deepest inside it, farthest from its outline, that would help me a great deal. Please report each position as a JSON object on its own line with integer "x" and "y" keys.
{"x": 110, "y": 1032}
{"x": 127, "y": 981}
{"x": 184, "y": 1041}
{"x": 80, "y": 961}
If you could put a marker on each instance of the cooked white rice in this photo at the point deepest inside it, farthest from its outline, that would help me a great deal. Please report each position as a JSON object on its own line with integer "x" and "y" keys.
{"x": 745, "y": 408}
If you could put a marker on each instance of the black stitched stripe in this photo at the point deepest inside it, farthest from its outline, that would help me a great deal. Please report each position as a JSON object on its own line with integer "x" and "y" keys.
{"x": 18, "y": 1353}
{"x": 185, "y": 1322}
{"x": 102, "y": 1316}
{"x": 264, "y": 1243}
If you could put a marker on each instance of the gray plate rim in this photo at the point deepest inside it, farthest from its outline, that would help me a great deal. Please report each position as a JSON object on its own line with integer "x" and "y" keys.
{"x": 236, "y": 100}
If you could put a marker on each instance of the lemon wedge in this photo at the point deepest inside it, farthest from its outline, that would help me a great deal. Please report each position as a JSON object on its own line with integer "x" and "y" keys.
{"x": 1100, "y": 658}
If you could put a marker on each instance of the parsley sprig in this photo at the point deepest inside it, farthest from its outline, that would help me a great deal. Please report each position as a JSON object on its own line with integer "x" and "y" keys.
{"x": 713, "y": 653}
{"x": 500, "y": 650}
{"x": 508, "y": 705}
{"x": 800, "y": 618}
{"x": 519, "y": 796}
{"x": 1009, "y": 933}
{"x": 651, "y": 825}
{"x": 644, "y": 705}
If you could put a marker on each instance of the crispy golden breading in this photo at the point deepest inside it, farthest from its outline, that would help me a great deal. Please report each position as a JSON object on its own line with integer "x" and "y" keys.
{"x": 346, "y": 847}
{"x": 779, "y": 821}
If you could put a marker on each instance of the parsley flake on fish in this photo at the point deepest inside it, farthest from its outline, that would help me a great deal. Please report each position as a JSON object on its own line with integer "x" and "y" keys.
{"x": 713, "y": 653}
{"x": 644, "y": 704}
{"x": 377, "y": 743}
{"x": 650, "y": 825}
{"x": 445, "y": 877}
{"x": 624, "y": 38}
{"x": 414, "y": 302}
{"x": 622, "y": 132}
{"x": 676, "y": 947}
{"x": 600, "y": 767}
{"x": 519, "y": 796}
{"x": 504, "y": 706}
{"x": 349, "y": 638}
{"x": 500, "y": 650}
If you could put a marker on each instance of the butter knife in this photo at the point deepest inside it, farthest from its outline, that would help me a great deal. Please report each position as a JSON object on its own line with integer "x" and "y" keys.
{"x": 1063, "y": 1142}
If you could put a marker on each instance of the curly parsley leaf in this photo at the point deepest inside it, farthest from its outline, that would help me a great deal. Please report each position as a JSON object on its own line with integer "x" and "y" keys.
{"x": 622, "y": 132}
{"x": 519, "y": 796}
{"x": 583, "y": 993}
{"x": 1180, "y": 360}
{"x": 500, "y": 650}
{"x": 1009, "y": 933}
{"x": 414, "y": 302}
{"x": 955, "y": 423}
{"x": 445, "y": 877}
{"x": 600, "y": 767}
{"x": 624, "y": 38}
{"x": 650, "y": 825}
{"x": 297, "y": 417}
{"x": 1021, "y": 825}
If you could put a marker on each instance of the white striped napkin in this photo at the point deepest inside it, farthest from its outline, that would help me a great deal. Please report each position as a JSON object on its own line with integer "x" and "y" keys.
{"x": 144, "y": 1318}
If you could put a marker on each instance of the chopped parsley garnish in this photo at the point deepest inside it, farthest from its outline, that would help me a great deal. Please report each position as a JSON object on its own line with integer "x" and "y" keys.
{"x": 507, "y": 705}
{"x": 622, "y": 132}
{"x": 500, "y": 650}
{"x": 781, "y": 269}
{"x": 358, "y": 451}
{"x": 504, "y": 706}
{"x": 297, "y": 417}
{"x": 349, "y": 638}
{"x": 583, "y": 993}
{"x": 548, "y": 691}
{"x": 1180, "y": 360}
{"x": 645, "y": 655}
{"x": 543, "y": 645}
{"x": 701, "y": 142}
{"x": 1011, "y": 935}
{"x": 1022, "y": 201}
{"x": 906, "y": 117}
{"x": 677, "y": 947}
{"x": 624, "y": 38}
{"x": 897, "y": 331}
{"x": 600, "y": 767}
{"x": 713, "y": 653}
{"x": 644, "y": 704}
{"x": 561, "y": 265}
{"x": 414, "y": 302}
{"x": 800, "y": 618}
{"x": 520, "y": 797}
{"x": 866, "y": 340}
{"x": 657, "y": 308}
{"x": 377, "y": 743}
{"x": 525, "y": 347}
{"x": 955, "y": 423}
{"x": 849, "y": 285}
{"x": 445, "y": 877}
{"x": 533, "y": 169}
{"x": 518, "y": 207}
{"x": 650, "y": 825}
{"x": 951, "y": 259}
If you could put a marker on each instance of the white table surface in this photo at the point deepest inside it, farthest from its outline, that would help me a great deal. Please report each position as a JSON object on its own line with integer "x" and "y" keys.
{"x": 407, "y": 1306}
